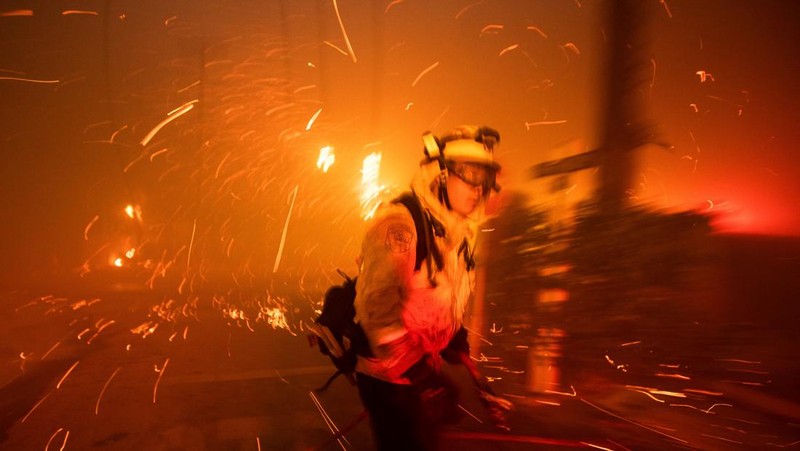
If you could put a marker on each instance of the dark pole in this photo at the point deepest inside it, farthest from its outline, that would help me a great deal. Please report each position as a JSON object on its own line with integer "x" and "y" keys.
{"x": 624, "y": 126}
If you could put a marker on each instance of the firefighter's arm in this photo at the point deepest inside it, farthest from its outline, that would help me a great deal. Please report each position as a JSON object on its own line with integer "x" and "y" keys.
{"x": 388, "y": 254}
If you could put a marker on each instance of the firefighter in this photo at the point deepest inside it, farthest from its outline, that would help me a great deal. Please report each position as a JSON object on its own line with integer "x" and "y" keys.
{"x": 412, "y": 313}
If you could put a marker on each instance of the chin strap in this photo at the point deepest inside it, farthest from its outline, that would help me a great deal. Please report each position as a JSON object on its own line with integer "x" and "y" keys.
{"x": 443, "y": 197}
{"x": 433, "y": 151}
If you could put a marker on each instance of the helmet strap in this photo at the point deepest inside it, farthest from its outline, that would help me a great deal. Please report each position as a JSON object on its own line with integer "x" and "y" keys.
{"x": 443, "y": 197}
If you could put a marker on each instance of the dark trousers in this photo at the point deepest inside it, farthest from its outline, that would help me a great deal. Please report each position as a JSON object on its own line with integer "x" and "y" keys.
{"x": 396, "y": 415}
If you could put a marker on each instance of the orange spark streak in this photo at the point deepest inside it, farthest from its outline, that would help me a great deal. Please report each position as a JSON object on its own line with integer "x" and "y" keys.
{"x": 18, "y": 13}
{"x": 34, "y": 407}
{"x": 704, "y": 76}
{"x": 573, "y": 394}
{"x": 571, "y": 47}
{"x": 191, "y": 242}
{"x": 703, "y": 392}
{"x": 508, "y": 49}
{"x": 224, "y": 159}
{"x": 466, "y": 8}
{"x": 328, "y": 420}
{"x": 313, "y": 118}
{"x": 653, "y": 79}
{"x": 633, "y": 422}
{"x": 536, "y": 29}
{"x": 469, "y": 413}
{"x": 491, "y": 27}
{"x": 303, "y": 88}
{"x": 666, "y": 8}
{"x": 182, "y": 90}
{"x": 154, "y": 154}
{"x": 650, "y": 396}
{"x": 528, "y": 125}
{"x": 63, "y": 444}
{"x": 54, "y": 436}
{"x": 110, "y": 322}
{"x": 592, "y": 445}
{"x": 430, "y": 68}
{"x": 160, "y": 374}
{"x": 64, "y": 377}
{"x": 97, "y": 405}
{"x": 258, "y": 442}
{"x": 171, "y": 116}
{"x": 631, "y": 343}
{"x": 89, "y": 226}
{"x": 389, "y": 6}
{"x": 30, "y": 80}
{"x": 335, "y": 47}
{"x": 75, "y": 11}
{"x": 674, "y": 376}
{"x": 285, "y": 229}
{"x": 52, "y": 348}
{"x": 721, "y": 438}
{"x": 738, "y": 361}
{"x": 344, "y": 33}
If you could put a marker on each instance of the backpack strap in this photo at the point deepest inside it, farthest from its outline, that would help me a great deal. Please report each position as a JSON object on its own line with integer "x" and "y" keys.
{"x": 424, "y": 227}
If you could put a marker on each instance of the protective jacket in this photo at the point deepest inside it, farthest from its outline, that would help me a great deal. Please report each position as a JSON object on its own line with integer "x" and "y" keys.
{"x": 421, "y": 308}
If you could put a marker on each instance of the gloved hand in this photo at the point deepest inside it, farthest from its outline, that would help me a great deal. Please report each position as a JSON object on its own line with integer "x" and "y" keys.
{"x": 399, "y": 355}
{"x": 424, "y": 375}
{"x": 457, "y": 348}
{"x": 496, "y": 406}
{"x": 438, "y": 394}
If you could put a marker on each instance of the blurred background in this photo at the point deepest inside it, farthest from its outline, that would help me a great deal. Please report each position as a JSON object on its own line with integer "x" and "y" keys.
{"x": 222, "y": 156}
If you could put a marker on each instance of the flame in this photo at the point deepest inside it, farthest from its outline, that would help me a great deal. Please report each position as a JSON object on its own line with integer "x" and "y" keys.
{"x": 130, "y": 253}
{"x": 370, "y": 189}
{"x": 133, "y": 212}
{"x": 326, "y": 158}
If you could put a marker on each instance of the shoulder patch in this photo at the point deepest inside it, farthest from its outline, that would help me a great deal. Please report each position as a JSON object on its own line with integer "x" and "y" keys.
{"x": 398, "y": 238}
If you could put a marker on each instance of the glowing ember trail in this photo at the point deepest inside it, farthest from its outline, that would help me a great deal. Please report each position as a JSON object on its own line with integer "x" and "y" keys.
{"x": 63, "y": 444}
{"x": 313, "y": 118}
{"x": 528, "y": 125}
{"x": 508, "y": 49}
{"x": 344, "y": 32}
{"x": 88, "y": 227}
{"x": 30, "y": 80}
{"x": 171, "y": 116}
{"x": 428, "y": 69}
{"x": 34, "y": 407}
{"x": 370, "y": 189}
{"x": 160, "y": 375}
{"x": 191, "y": 243}
{"x": 285, "y": 228}
{"x": 70, "y": 12}
{"x": 97, "y": 405}
{"x": 63, "y": 378}
{"x": 18, "y": 13}
{"x": 328, "y": 421}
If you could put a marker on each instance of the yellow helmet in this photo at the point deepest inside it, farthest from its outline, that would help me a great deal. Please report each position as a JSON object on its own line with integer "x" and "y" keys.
{"x": 467, "y": 144}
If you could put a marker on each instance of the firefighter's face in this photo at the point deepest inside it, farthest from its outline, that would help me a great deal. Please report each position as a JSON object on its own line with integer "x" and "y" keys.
{"x": 464, "y": 193}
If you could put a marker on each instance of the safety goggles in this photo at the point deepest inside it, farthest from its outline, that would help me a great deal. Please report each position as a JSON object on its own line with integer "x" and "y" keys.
{"x": 473, "y": 174}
